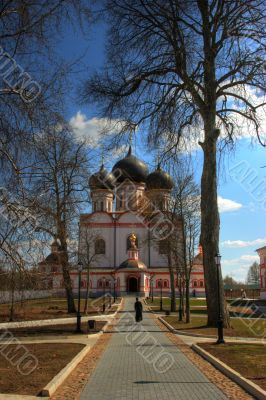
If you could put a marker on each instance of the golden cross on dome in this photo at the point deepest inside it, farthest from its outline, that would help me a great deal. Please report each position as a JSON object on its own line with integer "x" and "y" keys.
{"x": 133, "y": 237}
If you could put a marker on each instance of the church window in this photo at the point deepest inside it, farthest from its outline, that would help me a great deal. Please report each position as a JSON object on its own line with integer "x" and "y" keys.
{"x": 100, "y": 283}
{"x": 99, "y": 246}
{"x": 195, "y": 284}
{"x": 163, "y": 247}
{"x": 201, "y": 283}
{"x": 165, "y": 283}
{"x": 159, "y": 282}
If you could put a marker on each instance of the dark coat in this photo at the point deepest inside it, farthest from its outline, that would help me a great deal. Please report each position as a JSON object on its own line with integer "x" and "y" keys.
{"x": 138, "y": 309}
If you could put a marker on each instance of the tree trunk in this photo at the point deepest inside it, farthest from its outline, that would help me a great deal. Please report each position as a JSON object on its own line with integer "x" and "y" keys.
{"x": 71, "y": 308}
{"x": 87, "y": 291}
{"x": 210, "y": 225}
{"x": 172, "y": 284}
{"x": 187, "y": 300}
{"x": 11, "y": 311}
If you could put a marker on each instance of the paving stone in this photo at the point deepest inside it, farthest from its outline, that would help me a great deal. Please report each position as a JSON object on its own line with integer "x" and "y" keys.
{"x": 142, "y": 363}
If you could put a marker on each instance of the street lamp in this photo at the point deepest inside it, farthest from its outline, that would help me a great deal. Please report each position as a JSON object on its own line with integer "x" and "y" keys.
{"x": 78, "y": 328}
{"x": 161, "y": 298}
{"x": 151, "y": 287}
{"x": 220, "y": 322}
{"x": 103, "y": 294}
{"x": 114, "y": 290}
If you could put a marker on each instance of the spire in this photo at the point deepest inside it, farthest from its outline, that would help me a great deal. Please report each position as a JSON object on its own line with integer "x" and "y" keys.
{"x": 158, "y": 162}
{"x": 102, "y": 156}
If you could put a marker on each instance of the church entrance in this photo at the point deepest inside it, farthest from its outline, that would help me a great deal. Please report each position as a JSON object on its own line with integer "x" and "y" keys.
{"x": 133, "y": 284}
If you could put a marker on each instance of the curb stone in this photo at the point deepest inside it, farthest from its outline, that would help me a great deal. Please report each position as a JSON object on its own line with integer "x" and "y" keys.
{"x": 246, "y": 384}
{"x": 20, "y": 397}
{"x": 51, "y": 387}
{"x": 197, "y": 335}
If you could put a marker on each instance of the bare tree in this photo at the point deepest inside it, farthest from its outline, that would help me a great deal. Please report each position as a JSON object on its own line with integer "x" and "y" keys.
{"x": 186, "y": 203}
{"x": 32, "y": 83}
{"x": 89, "y": 255}
{"x": 180, "y": 67}
{"x": 56, "y": 183}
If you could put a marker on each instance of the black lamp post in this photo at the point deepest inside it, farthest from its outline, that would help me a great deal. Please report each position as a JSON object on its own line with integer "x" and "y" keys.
{"x": 103, "y": 295}
{"x": 114, "y": 290}
{"x": 161, "y": 298}
{"x": 78, "y": 328}
{"x": 220, "y": 322}
{"x": 151, "y": 288}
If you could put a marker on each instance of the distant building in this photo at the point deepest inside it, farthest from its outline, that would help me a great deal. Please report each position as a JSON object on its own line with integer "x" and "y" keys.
{"x": 262, "y": 254}
{"x": 128, "y": 205}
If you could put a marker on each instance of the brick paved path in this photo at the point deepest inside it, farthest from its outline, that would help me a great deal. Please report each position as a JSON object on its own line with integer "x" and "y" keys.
{"x": 141, "y": 363}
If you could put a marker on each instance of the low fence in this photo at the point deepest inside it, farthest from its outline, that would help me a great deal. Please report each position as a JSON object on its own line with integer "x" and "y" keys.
{"x": 237, "y": 293}
{"x": 5, "y": 296}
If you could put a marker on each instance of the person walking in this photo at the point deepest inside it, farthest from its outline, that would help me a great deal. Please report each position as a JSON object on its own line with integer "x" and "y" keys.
{"x": 138, "y": 310}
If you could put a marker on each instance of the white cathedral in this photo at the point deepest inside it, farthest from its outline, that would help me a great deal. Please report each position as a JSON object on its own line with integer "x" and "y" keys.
{"x": 123, "y": 241}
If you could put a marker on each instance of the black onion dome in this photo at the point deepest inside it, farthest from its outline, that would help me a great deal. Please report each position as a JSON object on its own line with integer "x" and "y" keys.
{"x": 102, "y": 180}
{"x": 131, "y": 168}
{"x": 159, "y": 179}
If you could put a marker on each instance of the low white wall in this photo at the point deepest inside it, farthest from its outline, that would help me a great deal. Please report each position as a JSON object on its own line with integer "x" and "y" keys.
{"x": 5, "y": 296}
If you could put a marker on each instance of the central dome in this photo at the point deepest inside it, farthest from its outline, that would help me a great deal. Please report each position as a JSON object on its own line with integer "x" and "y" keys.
{"x": 130, "y": 168}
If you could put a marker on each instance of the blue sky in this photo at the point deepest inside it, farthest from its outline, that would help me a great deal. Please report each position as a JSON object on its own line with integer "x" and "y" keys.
{"x": 241, "y": 176}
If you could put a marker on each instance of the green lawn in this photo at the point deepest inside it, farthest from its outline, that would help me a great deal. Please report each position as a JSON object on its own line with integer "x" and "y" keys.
{"x": 198, "y": 306}
{"x": 247, "y": 359}
{"x": 167, "y": 302}
{"x": 255, "y": 328}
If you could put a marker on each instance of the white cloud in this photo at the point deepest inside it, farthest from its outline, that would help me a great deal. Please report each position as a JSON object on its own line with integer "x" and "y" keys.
{"x": 92, "y": 129}
{"x": 243, "y": 126}
{"x": 227, "y": 205}
{"x": 88, "y": 129}
{"x": 238, "y": 267}
{"x": 243, "y": 243}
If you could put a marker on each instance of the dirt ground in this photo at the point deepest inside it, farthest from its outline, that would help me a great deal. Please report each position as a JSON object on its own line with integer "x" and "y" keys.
{"x": 51, "y": 358}
{"x": 50, "y": 308}
{"x": 247, "y": 359}
{"x": 62, "y": 329}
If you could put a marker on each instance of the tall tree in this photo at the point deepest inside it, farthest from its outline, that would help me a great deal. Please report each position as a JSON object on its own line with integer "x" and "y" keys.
{"x": 56, "y": 182}
{"x": 186, "y": 204}
{"x": 32, "y": 83}
{"x": 181, "y": 67}
{"x": 253, "y": 275}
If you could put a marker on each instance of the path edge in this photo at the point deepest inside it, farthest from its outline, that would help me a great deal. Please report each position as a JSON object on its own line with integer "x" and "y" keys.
{"x": 246, "y": 384}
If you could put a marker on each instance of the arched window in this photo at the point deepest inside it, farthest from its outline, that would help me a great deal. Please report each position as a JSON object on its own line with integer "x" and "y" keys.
{"x": 101, "y": 205}
{"x": 159, "y": 282}
{"x": 163, "y": 247}
{"x": 165, "y": 283}
{"x": 99, "y": 246}
{"x": 129, "y": 244}
{"x": 201, "y": 283}
{"x": 195, "y": 284}
{"x": 100, "y": 283}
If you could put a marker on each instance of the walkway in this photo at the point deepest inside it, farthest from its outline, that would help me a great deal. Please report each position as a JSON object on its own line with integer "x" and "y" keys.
{"x": 141, "y": 363}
